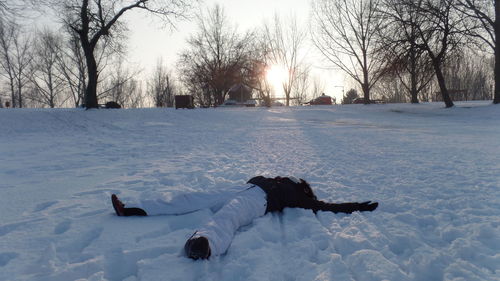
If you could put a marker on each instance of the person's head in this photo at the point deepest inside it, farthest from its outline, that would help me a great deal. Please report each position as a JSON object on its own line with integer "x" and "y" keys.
{"x": 307, "y": 189}
{"x": 303, "y": 186}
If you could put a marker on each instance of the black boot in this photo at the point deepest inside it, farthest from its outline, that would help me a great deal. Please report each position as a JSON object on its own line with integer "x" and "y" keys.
{"x": 118, "y": 205}
{"x": 197, "y": 247}
{"x": 121, "y": 211}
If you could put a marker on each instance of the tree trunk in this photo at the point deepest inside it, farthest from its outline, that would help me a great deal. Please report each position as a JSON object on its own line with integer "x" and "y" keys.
{"x": 496, "y": 98}
{"x": 366, "y": 83}
{"x": 12, "y": 92}
{"x": 91, "y": 90}
{"x": 20, "y": 101}
{"x": 414, "y": 92}
{"x": 286, "y": 91}
{"x": 366, "y": 93}
{"x": 366, "y": 87}
{"x": 442, "y": 86}
{"x": 413, "y": 74}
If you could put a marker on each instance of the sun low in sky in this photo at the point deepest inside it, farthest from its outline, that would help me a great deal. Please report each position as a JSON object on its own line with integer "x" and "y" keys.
{"x": 276, "y": 75}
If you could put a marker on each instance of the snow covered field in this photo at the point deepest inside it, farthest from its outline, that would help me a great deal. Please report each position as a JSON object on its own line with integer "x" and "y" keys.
{"x": 435, "y": 172}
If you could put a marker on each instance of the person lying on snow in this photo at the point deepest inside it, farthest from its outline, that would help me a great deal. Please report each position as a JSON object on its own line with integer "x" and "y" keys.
{"x": 259, "y": 196}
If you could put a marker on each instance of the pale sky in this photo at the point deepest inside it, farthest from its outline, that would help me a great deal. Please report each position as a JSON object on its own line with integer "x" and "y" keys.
{"x": 149, "y": 41}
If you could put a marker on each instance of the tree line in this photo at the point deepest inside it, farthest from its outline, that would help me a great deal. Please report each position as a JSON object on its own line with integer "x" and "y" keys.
{"x": 412, "y": 46}
{"x": 395, "y": 50}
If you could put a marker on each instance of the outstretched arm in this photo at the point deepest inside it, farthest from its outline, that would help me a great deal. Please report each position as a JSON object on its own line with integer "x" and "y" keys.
{"x": 317, "y": 205}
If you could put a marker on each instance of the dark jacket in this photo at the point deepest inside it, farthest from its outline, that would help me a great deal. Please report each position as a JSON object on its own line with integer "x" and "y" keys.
{"x": 283, "y": 192}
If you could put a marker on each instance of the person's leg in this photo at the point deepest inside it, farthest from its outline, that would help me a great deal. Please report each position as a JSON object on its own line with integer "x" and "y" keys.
{"x": 179, "y": 203}
{"x": 173, "y": 203}
{"x": 219, "y": 231}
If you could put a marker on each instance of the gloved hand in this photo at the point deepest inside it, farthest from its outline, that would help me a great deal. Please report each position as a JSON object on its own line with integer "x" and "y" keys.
{"x": 367, "y": 206}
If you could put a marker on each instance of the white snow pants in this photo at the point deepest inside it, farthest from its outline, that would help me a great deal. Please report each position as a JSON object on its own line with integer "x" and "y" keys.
{"x": 239, "y": 211}
{"x": 238, "y": 208}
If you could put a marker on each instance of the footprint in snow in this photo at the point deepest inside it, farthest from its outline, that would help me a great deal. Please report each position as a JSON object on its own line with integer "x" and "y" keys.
{"x": 7, "y": 228}
{"x": 93, "y": 213}
{"x": 62, "y": 227}
{"x": 6, "y": 257}
{"x": 81, "y": 241}
{"x": 120, "y": 265}
{"x": 154, "y": 234}
{"x": 44, "y": 206}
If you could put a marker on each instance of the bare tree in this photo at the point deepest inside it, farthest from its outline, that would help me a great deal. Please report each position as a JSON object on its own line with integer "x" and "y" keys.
{"x": 121, "y": 87}
{"x": 346, "y": 35}
{"x": 256, "y": 79}
{"x": 391, "y": 90}
{"x": 7, "y": 33}
{"x": 15, "y": 57}
{"x": 48, "y": 83}
{"x": 14, "y": 8}
{"x": 127, "y": 93}
{"x": 439, "y": 35}
{"x": 318, "y": 87}
{"x": 71, "y": 65}
{"x": 22, "y": 61}
{"x": 257, "y": 68}
{"x": 262, "y": 85}
{"x": 285, "y": 41}
{"x": 72, "y": 62}
{"x": 95, "y": 20}
{"x": 215, "y": 59}
{"x": 8, "y": 9}
{"x": 400, "y": 39}
{"x": 487, "y": 13}
{"x": 161, "y": 86}
{"x": 3, "y": 7}
{"x": 137, "y": 97}
{"x": 468, "y": 72}
{"x": 301, "y": 86}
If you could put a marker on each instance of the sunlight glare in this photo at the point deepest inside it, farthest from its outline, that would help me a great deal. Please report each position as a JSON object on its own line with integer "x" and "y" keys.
{"x": 276, "y": 75}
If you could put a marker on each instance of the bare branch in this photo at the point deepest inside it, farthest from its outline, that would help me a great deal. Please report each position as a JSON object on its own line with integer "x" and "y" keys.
{"x": 345, "y": 35}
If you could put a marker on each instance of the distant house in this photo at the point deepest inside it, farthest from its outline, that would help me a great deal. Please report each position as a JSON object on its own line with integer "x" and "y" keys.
{"x": 321, "y": 100}
{"x": 240, "y": 93}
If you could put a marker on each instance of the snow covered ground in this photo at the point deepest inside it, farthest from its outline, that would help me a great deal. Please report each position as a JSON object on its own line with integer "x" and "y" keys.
{"x": 435, "y": 172}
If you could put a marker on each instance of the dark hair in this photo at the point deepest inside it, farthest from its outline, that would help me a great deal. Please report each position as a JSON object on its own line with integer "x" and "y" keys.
{"x": 301, "y": 186}
{"x": 307, "y": 189}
